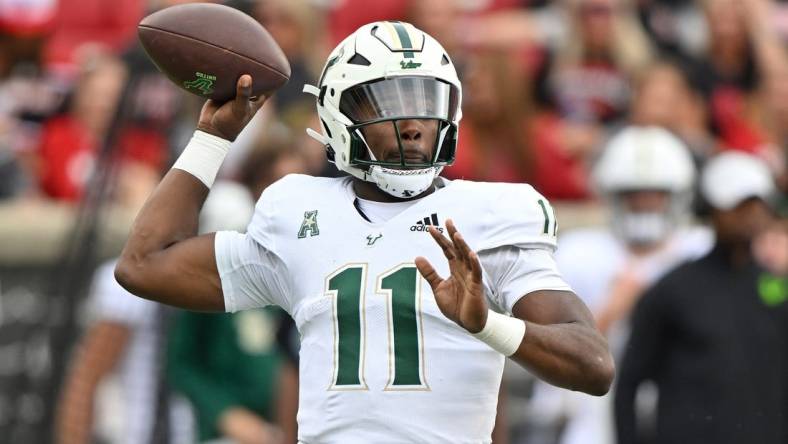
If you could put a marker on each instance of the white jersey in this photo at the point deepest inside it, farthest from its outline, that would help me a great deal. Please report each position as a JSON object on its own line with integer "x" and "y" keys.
{"x": 590, "y": 260}
{"x": 379, "y": 362}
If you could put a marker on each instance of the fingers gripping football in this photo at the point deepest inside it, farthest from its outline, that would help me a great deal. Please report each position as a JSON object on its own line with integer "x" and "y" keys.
{"x": 460, "y": 297}
{"x": 226, "y": 120}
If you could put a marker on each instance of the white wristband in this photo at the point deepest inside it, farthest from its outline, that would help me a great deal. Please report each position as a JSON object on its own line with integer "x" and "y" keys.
{"x": 503, "y": 333}
{"x": 203, "y": 156}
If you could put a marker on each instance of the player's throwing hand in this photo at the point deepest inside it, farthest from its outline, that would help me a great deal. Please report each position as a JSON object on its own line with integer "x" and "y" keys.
{"x": 460, "y": 297}
{"x": 226, "y": 120}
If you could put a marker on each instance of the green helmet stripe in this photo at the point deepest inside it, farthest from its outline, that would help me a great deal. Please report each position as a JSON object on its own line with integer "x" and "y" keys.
{"x": 404, "y": 38}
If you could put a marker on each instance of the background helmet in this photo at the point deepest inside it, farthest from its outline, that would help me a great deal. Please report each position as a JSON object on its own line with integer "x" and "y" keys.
{"x": 645, "y": 159}
{"x": 382, "y": 73}
{"x": 229, "y": 206}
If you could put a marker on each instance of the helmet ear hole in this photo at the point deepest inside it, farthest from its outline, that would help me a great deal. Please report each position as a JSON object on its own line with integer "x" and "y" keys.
{"x": 325, "y": 128}
{"x": 322, "y": 95}
{"x": 448, "y": 147}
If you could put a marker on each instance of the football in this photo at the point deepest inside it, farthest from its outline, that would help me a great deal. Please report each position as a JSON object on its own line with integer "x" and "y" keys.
{"x": 204, "y": 48}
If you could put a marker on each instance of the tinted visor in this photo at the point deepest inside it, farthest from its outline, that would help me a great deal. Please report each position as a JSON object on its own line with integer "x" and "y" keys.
{"x": 398, "y": 97}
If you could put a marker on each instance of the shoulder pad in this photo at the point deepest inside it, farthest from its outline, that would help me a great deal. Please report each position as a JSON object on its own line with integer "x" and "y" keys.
{"x": 519, "y": 216}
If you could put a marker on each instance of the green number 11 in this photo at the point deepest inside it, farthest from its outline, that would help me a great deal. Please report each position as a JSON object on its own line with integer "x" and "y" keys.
{"x": 401, "y": 288}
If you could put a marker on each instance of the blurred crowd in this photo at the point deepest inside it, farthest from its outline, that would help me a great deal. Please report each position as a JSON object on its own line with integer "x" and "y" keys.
{"x": 550, "y": 90}
{"x": 546, "y": 84}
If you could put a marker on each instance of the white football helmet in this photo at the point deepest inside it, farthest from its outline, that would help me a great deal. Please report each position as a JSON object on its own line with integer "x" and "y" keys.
{"x": 229, "y": 206}
{"x": 385, "y": 72}
{"x": 646, "y": 159}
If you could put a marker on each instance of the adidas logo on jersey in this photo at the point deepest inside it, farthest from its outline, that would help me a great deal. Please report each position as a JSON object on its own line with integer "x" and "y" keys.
{"x": 426, "y": 222}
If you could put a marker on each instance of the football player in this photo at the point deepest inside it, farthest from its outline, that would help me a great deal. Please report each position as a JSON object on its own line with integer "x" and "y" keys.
{"x": 646, "y": 176}
{"x": 405, "y": 323}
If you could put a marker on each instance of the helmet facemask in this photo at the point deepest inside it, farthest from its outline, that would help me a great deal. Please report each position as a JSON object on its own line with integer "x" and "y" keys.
{"x": 647, "y": 227}
{"x": 394, "y": 101}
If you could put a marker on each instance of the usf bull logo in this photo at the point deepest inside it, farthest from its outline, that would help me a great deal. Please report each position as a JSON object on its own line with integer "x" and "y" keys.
{"x": 202, "y": 83}
{"x": 371, "y": 240}
{"x": 409, "y": 64}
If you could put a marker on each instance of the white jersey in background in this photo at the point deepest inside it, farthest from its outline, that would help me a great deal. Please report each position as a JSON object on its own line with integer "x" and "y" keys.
{"x": 590, "y": 260}
{"x": 130, "y": 418}
{"x": 111, "y": 303}
{"x": 379, "y": 361}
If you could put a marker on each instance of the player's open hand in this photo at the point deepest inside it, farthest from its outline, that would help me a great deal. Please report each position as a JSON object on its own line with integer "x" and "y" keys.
{"x": 460, "y": 297}
{"x": 226, "y": 120}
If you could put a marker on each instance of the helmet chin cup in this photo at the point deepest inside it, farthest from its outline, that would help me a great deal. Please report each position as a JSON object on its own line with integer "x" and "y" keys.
{"x": 400, "y": 183}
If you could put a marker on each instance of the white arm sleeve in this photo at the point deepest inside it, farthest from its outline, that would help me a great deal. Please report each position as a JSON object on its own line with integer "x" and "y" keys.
{"x": 251, "y": 275}
{"x": 514, "y": 272}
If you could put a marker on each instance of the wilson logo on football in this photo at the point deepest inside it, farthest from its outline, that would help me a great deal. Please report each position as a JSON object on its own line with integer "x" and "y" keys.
{"x": 426, "y": 222}
{"x": 202, "y": 83}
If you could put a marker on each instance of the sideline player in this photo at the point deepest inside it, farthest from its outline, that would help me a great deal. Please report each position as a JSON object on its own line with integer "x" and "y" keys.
{"x": 646, "y": 177}
{"x": 402, "y": 333}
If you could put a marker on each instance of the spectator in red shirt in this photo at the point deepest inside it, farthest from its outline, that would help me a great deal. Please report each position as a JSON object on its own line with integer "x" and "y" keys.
{"x": 664, "y": 97}
{"x": 585, "y": 88}
{"x": 70, "y": 142}
{"x": 111, "y": 25}
{"x": 744, "y": 56}
{"x": 493, "y": 137}
{"x": 588, "y": 77}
